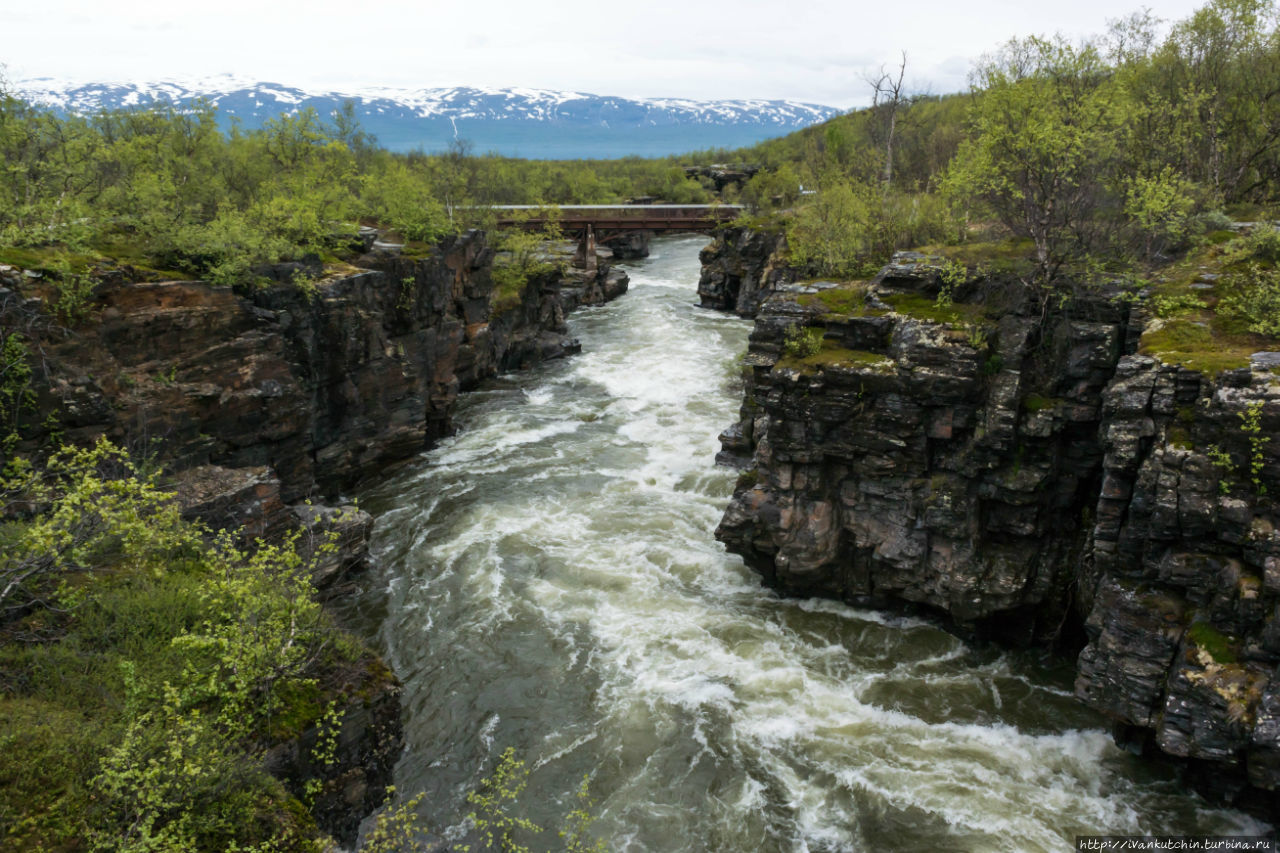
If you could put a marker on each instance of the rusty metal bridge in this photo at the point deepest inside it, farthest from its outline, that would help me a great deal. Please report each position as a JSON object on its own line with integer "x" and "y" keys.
{"x": 592, "y": 222}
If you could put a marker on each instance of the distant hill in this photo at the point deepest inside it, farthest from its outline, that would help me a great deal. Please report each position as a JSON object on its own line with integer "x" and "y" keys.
{"x": 536, "y": 123}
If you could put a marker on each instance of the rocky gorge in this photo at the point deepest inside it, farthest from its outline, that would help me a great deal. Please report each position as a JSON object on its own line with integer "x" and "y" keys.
{"x": 258, "y": 401}
{"x": 1028, "y": 474}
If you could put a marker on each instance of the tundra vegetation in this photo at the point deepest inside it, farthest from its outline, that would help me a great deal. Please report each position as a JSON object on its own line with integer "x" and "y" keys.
{"x": 146, "y": 664}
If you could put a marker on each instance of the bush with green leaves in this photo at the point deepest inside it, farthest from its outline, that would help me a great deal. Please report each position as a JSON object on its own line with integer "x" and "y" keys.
{"x": 1252, "y": 298}
{"x": 802, "y": 341}
{"x": 169, "y": 659}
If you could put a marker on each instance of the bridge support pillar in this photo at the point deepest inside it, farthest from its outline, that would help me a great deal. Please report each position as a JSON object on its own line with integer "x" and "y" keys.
{"x": 585, "y": 257}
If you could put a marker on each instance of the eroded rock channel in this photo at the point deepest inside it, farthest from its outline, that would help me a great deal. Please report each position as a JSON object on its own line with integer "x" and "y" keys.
{"x": 548, "y": 580}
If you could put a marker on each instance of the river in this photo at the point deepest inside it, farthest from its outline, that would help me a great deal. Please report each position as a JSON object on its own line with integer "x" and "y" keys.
{"x": 547, "y": 580}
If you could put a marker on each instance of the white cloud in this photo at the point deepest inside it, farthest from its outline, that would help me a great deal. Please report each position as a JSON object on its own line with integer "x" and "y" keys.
{"x": 817, "y": 51}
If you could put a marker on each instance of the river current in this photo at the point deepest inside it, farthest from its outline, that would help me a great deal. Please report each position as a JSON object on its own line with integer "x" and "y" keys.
{"x": 547, "y": 580}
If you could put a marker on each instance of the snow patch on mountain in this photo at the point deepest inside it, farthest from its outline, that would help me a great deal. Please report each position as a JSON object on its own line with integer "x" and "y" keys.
{"x": 258, "y": 101}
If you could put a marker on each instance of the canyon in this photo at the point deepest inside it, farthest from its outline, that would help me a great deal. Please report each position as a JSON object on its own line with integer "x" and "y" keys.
{"x": 1029, "y": 480}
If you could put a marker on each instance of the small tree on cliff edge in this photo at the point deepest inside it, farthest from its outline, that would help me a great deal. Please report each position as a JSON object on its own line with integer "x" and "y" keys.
{"x": 1044, "y": 138}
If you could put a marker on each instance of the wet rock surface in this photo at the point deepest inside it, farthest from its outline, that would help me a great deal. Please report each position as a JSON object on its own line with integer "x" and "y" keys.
{"x": 1033, "y": 479}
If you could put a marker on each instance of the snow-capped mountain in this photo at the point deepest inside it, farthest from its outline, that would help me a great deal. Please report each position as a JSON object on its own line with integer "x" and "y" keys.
{"x": 520, "y": 121}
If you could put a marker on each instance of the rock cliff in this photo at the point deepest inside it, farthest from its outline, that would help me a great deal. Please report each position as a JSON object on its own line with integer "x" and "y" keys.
{"x": 258, "y": 399}
{"x": 1024, "y": 472}
{"x": 740, "y": 268}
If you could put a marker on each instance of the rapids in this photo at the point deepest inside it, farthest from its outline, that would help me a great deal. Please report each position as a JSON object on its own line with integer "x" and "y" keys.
{"x": 547, "y": 580}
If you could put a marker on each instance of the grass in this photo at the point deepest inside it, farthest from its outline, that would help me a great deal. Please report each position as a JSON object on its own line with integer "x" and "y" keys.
{"x": 1013, "y": 255}
{"x": 65, "y": 702}
{"x": 1193, "y": 334}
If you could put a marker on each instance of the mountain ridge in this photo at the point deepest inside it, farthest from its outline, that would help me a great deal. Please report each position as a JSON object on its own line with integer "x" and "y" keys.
{"x": 511, "y": 120}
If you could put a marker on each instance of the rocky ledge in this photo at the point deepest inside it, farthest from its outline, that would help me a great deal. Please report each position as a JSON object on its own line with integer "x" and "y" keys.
{"x": 1030, "y": 476}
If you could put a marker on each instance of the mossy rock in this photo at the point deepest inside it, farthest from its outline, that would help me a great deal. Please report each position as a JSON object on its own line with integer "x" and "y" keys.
{"x": 924, "y": 308}
{"x": 1221, "y": 648}
{"x": 832, "y": 355}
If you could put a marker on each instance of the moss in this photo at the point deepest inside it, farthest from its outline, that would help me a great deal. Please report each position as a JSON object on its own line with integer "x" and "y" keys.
{"x": 1038, "y": 403}
{"x": 47, "y": 752}
{"x": 48, "y": 258}
{"x": 924, "y": 308}
{"x": 1194, "y": 345}
{"x": 1213, "y": 642}
{"x": 747, "y": 479}
{"x": 846, "y": 299}
{"x": 1013, "y": 255}
{"x": 833, "y": 355}
{"x": 1180, "y": 438}
{"x": 301, "y": 706}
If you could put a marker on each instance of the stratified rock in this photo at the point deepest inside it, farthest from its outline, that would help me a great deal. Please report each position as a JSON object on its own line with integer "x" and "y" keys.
{"x": 742, "y": 267}
{"x": 325, "y": 385}
{"x": 245, "y": 501}
{"x": 907, "y": 464}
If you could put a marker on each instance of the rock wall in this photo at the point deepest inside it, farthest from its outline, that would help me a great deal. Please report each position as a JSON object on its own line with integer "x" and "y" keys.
{"x": 1031, "y": 478}
{"x": 324, "y": 386}
{"x": 258, "y": 399}
{"x": 740, "y": 268}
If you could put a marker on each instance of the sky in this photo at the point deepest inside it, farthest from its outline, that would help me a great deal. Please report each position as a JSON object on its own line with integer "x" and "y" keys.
{"x": 819, "y": 51}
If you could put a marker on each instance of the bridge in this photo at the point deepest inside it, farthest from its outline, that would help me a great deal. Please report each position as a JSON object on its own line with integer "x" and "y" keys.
{"x": 592, "y": 222}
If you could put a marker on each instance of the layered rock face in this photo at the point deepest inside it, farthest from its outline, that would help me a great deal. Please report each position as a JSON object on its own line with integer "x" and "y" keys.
{"x": 740, "y": 268}
{"x": 1031, "y": 477}
{"x": 324, "y": 385}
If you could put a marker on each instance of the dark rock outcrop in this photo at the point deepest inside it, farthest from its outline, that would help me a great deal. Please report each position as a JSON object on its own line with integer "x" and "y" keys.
{"x": 325, "y": 385}
{"x": 630, "y": 246}
{"x": 1031, "y": 479}
{"x": 741, "y": 268}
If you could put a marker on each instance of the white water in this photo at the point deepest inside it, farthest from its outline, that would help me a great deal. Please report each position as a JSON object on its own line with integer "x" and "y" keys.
{"x": 549, "y": 581}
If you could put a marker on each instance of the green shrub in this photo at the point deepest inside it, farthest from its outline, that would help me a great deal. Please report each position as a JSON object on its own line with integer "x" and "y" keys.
{"x": 1252, "y": 298}
{"x": 802, "y": 342}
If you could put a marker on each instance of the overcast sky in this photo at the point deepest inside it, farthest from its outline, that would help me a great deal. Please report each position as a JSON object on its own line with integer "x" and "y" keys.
{"x": 809, "y": 50}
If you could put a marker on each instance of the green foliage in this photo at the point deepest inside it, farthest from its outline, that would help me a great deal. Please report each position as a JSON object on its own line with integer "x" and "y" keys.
{"x": 1044, "y": 140}
{"x": 98, "y": 511}
{"x": 492, "y": 804}
{"x": 16, "y": 394}
{"x": 802, "y": 342}
{"x": 522, "y": 256}
{"x": 1176, "y": 303}
{"x": 577, "y": 824}
{"x": 396, "y": 829}
{"x": 1253, "y": 299}
{"x": 1223, "y": 462}
{"x": 165, "y": 661}
{"x": 1251, "y": 426}
{"x": 1161, "y": 207}
{"x": 306, "y": 284}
